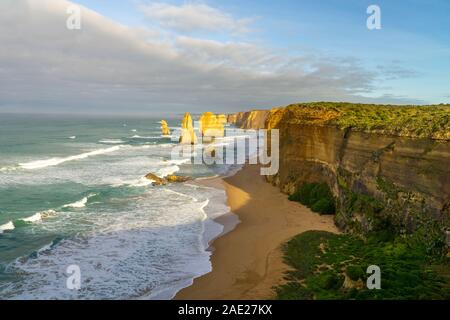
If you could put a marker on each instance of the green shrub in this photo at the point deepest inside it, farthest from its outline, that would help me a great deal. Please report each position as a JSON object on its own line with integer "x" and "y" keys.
{"x": 324, "y": 206}
{"x": 355, "y": 272}
{"x": 316, "y": 196}
{"x": 406, "y": 271}
{"x": 330, "y": 280}
{"x": 427, "y": 121}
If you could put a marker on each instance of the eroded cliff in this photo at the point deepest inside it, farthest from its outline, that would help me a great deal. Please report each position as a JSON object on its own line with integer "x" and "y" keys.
{"x": 387, "y": 167}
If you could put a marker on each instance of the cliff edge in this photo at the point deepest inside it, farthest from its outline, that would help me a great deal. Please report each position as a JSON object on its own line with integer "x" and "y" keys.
{"x": 387, "y": 166}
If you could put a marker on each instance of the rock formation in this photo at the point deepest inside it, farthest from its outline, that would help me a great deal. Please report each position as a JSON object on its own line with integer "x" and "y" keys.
{"x": 165, "y": 131}
{"x": 187, "y": 130}
{"x": 174, "y": 178}
{"x": 157, "y": 181}
{"x": 382, "y": 168}
{"x": 211, "y": 126}
{"x": 249, "y": 120}
{"x": 222, "y": 118}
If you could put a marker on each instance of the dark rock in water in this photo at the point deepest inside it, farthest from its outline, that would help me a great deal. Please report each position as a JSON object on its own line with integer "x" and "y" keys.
{"x": 174, "y": 178}
{"x": 157, "y": 181}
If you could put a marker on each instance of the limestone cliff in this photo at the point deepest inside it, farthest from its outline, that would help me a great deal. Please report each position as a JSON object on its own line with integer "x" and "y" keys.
{"x": 250, "y": 120}
{"x": 382, "y": 172}
{"x": 187, "y": 135}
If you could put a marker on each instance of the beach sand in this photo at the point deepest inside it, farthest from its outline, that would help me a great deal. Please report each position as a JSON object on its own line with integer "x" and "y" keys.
{"x": 247, "y": 261}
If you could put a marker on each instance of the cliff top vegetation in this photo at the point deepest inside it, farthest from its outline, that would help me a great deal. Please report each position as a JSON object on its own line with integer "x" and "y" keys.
{"x": 425, "y": 121}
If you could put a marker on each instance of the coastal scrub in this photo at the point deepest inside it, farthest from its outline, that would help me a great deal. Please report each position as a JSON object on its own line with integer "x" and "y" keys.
{"x": 329, "y": 266}
{"x": 316, "y": 196}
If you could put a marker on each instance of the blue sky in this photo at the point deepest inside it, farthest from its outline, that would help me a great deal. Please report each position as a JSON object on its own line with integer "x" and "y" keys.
{"x": 312, "y": 50}
{"x": 415, "y": 35}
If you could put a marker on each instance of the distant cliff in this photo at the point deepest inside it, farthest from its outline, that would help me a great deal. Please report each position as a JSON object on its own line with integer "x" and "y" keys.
{"x": 387, "y": 166}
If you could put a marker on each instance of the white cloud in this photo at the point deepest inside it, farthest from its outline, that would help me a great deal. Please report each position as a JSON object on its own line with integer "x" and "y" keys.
{"x": 195, "y": 17}
{"x": 108, "y": 67}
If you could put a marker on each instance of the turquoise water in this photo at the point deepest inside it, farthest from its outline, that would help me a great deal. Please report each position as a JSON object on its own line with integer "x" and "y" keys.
{"x": 72, "y": 192}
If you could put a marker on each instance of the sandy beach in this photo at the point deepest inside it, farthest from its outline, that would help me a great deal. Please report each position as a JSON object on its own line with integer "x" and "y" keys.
{"x": 247, "y": 261}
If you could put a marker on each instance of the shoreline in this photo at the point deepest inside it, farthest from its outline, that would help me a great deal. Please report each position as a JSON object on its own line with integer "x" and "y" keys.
{"x": 246, "y": 257}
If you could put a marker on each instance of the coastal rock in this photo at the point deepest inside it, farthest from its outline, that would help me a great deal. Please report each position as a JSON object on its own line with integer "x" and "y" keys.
{"x": 175, "y": 178}
{"x": 187, "y": 130}
{"x": 157, "y": 181}
{"x": 171, "y": 178}
{"x": 211, "y": 126}
{"x": 165, "y": 131}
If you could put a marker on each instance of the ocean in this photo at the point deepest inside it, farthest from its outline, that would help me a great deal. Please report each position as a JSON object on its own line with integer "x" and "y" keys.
{"x": 73, "y": 192}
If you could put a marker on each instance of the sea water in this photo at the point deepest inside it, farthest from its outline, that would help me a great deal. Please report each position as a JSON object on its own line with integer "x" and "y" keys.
{"x": 73, "y": 192}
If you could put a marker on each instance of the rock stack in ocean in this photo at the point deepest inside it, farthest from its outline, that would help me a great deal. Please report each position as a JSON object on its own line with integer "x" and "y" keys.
{"x": 222, "y": 118}
{"x": 211, "y": 126}
{"x": 187, "y": 130}
{"x": 165, "y": 131}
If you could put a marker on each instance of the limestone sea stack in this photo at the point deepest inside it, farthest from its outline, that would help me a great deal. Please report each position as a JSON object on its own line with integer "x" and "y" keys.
{"x": 211, "y": 126}
{"x": 222, "y": 118}
{"x": 165, "y": 131}
{"x": 187, "y": 130}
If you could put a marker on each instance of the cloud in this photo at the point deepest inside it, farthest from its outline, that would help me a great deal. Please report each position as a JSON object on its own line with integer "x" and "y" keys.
{"x": 109, "y": 67}
{"x": 195, "y": 17}
{"x": 395, "y": 70}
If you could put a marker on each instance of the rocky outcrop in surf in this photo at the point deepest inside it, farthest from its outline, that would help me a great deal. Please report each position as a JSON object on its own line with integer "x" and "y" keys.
{"x": 187, "y": 135}
{"x": 165, "y": 131}
{"x": 178, "y": 179}
{"x": 171, "y": 178}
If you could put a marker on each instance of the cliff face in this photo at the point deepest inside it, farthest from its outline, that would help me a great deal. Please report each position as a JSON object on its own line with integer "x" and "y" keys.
{"x": 378, "y": 179}
{"x": 249, "y": 120}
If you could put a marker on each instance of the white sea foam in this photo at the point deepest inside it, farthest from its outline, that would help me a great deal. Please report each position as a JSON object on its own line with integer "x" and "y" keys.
{"x": 79, "y": 204}
{"x": 153, "y": 246}
{"x": 73, "y": 137}
{"x": 7, "y": 226}
{"x": 34, "y": 218}
{"x": 39, "y": 216}
{"x": 112, "y": 141}
{"x": 164, "y": 172}
{"x": 8, "y": 169}
{"x": 145, "y": 137}
{"x": 141, "y": 182}
{"x": 174, "y": 162}
{"x": 56, "y": 161}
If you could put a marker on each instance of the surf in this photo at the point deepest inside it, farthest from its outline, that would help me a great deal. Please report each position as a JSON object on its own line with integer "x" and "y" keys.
{"x": 39, "y": 164}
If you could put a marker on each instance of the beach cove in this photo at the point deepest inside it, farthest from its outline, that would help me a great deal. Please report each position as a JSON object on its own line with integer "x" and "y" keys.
{"x": 247, "y": 261}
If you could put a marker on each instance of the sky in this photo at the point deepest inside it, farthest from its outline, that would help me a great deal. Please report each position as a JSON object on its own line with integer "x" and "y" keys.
{"x": 156, "y": 57}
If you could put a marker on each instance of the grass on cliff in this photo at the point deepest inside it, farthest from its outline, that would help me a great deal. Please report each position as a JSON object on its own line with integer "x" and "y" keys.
{"x": 330, "y": 266}
{"x": 430, "y": 121}
{"x": 316, "y": 196}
